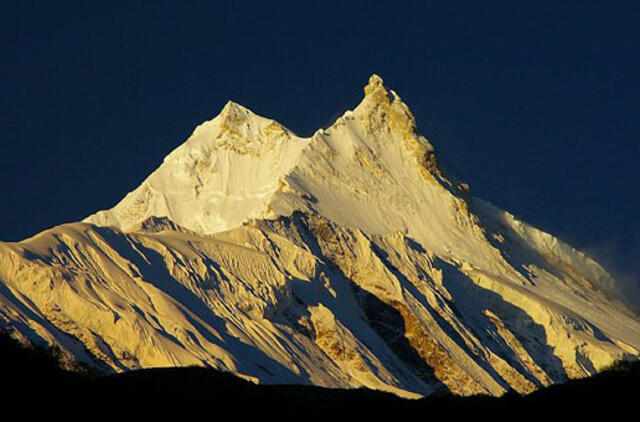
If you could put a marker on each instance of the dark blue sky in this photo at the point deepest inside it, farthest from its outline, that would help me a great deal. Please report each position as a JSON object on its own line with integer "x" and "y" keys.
{"x": 536, "y": 106}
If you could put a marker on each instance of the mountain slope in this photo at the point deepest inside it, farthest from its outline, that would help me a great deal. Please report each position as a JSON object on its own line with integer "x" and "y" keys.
{"x": 348, "y": 259}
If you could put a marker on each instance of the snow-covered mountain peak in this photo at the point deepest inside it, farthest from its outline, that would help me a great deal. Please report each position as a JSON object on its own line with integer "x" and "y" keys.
{"x": 347, "y": 259}
{"x": 224, "y": 174}
{"x": 239, "y": 129}
{"x": 384, "y": 109}
{"x": 233, "y": 167}
{"x": 234, "y": 114}
{"x": 375, "y": 84}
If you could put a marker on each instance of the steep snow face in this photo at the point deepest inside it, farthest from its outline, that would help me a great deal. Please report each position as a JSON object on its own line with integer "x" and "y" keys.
{"x": 224, "y": 174}
{"x": 347, "y": 259}
{"x": 372, "y": 171}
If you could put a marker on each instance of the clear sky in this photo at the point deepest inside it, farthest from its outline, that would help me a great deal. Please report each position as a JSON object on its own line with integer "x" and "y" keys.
{"x": 535, "y": 106}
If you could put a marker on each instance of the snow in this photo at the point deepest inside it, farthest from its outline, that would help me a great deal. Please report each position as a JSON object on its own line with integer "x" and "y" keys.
{"x": 220, "y": 177}
{"x": 346, "y": 259}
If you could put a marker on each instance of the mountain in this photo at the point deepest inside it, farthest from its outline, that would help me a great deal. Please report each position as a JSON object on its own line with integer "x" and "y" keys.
{"x": 349, "y": 259}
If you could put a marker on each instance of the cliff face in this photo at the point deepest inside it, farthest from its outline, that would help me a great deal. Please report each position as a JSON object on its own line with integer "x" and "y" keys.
{"x": 347, "y": 259}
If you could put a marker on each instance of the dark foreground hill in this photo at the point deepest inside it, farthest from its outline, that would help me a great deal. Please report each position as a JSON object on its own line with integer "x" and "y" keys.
{"x": 34, "y": 376}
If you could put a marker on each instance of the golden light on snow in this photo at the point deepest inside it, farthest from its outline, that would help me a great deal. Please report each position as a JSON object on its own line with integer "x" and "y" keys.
{"x": 346, "y": 259}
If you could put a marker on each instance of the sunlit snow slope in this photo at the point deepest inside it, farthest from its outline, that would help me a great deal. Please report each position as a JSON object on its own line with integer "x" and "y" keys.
{"x": 348, "y": 259}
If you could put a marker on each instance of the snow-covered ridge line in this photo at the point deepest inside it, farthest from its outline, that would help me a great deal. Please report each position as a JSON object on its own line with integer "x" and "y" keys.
{"x": 229, "y": 169}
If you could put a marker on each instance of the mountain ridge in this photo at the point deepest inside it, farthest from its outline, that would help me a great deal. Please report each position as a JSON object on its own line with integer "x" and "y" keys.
{"x": 348, "y": 259}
